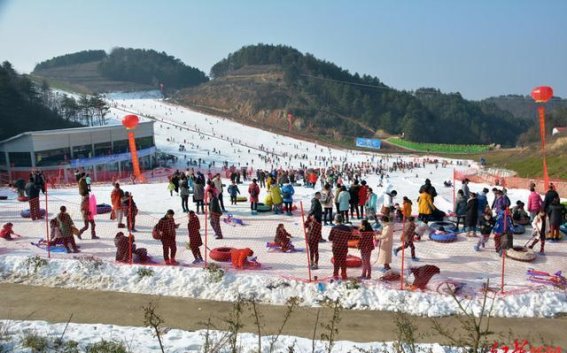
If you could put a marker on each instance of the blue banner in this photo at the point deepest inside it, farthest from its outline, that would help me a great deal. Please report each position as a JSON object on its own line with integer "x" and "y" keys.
{"x": 113, "y": 158}
{"x": 368, "y": 143}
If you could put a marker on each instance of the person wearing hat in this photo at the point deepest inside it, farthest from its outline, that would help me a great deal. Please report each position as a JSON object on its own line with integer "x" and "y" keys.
{"x": 166, "y": 229}
{"x": 471, "y": 215}
{"x": 215, "y": 212}
{"x": 519, "y": 214}
{"x": 388, "y": 204}
{"x": 550, "y": 195}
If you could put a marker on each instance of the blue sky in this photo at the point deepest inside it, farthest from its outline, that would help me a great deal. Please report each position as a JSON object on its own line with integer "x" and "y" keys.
{"x": 480, "y": 48}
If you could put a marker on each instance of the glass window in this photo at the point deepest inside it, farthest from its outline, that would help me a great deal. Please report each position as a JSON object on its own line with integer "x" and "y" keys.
{"x": 52, "y": 157}
{"x": 144, "y": 142}
{"x": 102, "y": 149}
{"x": 20, "y": 159}
{"x": 120, "y": 146}
{"x": 84, "y": 151}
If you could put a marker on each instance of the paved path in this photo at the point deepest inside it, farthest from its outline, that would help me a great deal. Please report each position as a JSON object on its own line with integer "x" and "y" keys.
{"x": 21, "y": 302}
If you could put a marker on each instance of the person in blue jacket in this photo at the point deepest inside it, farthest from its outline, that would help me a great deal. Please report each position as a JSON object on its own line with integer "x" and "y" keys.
{"x": 503, "y": 227}
{"x": 287, "y": 195}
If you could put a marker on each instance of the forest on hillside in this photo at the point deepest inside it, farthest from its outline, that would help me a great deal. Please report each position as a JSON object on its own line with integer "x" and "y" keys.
{"x": 133, "y": 65}
{"x": 330, "y": 97}
{"x": 23, "y": 105}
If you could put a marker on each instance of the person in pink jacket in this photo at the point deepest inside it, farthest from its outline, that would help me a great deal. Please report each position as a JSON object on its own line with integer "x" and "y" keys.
{"x": 534, "y": 203}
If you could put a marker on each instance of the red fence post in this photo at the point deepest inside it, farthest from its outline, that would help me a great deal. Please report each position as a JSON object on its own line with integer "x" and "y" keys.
{"x": 403, "y": 254}
{"x": 47, "y": 222}
{"x": 504, "y": 252}
{"x": 130, "y": 228}
{"x": 306, "y": 242}
{"x": 206, "y": 234}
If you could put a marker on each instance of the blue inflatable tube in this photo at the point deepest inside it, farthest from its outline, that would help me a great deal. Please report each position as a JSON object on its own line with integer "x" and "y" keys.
{"x": 563, "y": 228}
{"x": 448, "y": 226}
{"x": 103, "y": 208}
{"x": 443, "y": 238}
{"x": 27, "y": 213}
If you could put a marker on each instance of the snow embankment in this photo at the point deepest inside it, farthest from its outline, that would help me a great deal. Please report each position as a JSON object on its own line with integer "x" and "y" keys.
{"x": 201, "y": 284}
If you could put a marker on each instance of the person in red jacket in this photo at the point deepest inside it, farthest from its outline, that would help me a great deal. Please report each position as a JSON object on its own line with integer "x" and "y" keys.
{"x": 283, "y": 238}
{"x": 366, "y": 245}
{"x": 195, "y": 241}
{"x": 362, "y": 197}
{"x": 340, "y": 235}
{"x": 166, "y": 228}
{"x": 7, "y": 232}
{"x": 254, "y": 191}
{"x": 313, "y": 238}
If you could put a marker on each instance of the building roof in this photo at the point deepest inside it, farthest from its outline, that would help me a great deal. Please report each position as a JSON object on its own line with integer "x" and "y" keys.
{"x": 74, "y": 130}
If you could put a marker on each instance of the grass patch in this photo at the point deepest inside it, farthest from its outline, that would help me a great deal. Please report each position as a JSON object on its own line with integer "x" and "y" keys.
{"x": 438, "y": 147}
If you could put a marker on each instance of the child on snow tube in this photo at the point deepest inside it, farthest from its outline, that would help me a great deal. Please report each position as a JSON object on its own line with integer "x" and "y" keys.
{"x": 283, "y": 238}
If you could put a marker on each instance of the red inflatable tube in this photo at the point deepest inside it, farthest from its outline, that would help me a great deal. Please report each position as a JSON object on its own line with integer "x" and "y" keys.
{"x": 221, "y": 254}
{"x": 351, "y": 261}
{"x": 23, "y": 198}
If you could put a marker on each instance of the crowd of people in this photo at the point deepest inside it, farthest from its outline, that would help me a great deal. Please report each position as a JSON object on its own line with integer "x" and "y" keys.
{"x": 343, "y": 198}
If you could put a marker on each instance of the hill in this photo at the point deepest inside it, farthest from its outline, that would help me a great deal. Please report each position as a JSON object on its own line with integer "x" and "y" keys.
{"x": 22, "y": 106}
{"x": 124, "y": 69}
{"x": 260, "y": 84}
{"x": 524, "y": 107}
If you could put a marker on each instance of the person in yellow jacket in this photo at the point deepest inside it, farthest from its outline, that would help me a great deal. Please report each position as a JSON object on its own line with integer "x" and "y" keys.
{"x": 277, "y": 200}
{"x": 425, "y": 206}
{"x": 269, "y": 182}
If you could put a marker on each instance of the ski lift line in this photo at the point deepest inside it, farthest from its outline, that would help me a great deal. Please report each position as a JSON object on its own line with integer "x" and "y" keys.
{"x": 390, "y": 88}
{"x": 169, "y": 122}
{"x": 347, "y": 82}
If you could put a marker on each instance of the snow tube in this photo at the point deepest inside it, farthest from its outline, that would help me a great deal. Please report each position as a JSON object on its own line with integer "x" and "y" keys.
{"x": 521, "y": 253}
{"x": 443, "y": 238}
{"x": 263, "y": 208}
{"x": 103, "y": 208}
{"x": 23, "y": 198}
{"x": 241, "y": 199}
{"x": 448, "y": 226}
{"x": 519, "y": 229}
{"x": 3, "y": 197}
{"x": 27, "y": 214}
{"x": 353, "y": 243}
{"x": 563, "y": 228}
{"x": 221, "y": 254}
{"x": 351, "y": 261}
{"x": 296, "y": 184}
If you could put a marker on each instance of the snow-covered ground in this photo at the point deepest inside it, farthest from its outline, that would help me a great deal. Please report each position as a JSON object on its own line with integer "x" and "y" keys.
{"x": 218, "y": 140}
{"x": 139, "y": 339}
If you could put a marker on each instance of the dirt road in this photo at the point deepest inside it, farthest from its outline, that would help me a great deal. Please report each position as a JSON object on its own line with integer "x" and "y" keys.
{"x": 22, "y": 302}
